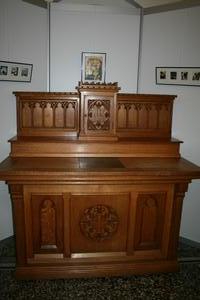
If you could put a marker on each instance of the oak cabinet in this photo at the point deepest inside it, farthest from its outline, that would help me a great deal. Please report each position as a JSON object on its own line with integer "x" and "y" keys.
{"x": 97, "y": 183}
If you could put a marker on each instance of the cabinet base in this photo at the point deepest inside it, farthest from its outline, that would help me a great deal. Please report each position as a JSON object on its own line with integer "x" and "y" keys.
{"x": 95, "y": 270}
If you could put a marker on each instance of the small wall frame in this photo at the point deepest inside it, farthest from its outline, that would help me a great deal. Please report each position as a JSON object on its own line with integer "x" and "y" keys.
{"x": 93, "y": 67}
{"x": 178, "y": 76}
{"x": 15, "y": 71}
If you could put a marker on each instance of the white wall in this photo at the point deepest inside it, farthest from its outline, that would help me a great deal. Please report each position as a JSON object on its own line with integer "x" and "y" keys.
{"x": 172, "y": 39}
{"x": 23, "y": 32}
{"x": 76, "y": 29}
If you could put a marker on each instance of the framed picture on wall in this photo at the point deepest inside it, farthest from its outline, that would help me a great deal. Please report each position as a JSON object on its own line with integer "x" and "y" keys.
{"x": 178, "y": 76}
{"x": 93, "y": 67}
{"x": 15, "y": 71}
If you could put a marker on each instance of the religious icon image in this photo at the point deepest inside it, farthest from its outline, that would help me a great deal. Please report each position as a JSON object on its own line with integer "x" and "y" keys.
{"x": 93, "y": 67}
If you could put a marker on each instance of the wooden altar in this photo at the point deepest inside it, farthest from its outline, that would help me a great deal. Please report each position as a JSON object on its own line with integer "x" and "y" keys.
{"x": 97, "y": 183}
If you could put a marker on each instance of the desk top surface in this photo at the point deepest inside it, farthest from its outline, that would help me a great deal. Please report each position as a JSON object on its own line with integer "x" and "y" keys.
{"x": 49, "y": 168}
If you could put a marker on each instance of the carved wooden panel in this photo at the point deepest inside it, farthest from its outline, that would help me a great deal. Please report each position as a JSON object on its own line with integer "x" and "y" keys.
{"x": 103, "y": 112}
{"x": 150, "y": 213}
{"x": 144, "y": 115}
{"x": 99, "y": 222}
{"x": 47, "y": 114}
{"x": 47, "y": 223}
{"x": 98, "y": 115}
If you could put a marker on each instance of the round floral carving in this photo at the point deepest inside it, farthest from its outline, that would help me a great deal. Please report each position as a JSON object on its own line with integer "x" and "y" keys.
{"x": 99, "y": 222}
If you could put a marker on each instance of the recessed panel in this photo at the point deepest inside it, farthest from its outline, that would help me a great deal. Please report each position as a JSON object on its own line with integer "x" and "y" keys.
{"x": 99, "y": 222}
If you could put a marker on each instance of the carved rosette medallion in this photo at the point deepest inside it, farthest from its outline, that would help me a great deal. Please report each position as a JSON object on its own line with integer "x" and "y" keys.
{"x": 98, "y": 115}
{"x": 99, "y": 222}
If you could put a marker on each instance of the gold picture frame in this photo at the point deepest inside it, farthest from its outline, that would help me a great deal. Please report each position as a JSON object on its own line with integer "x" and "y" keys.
{"x": 93, "y": 67}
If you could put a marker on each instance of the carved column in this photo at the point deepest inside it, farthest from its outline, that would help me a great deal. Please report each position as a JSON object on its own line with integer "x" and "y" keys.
{"x": 179, "y": 194}
{"x": 16, "y": 192}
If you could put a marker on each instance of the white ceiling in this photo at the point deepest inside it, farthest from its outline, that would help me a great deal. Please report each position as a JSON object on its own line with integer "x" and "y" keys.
{"x": 120, "y": 3}
{"x": 143, "y": 3}
{"x": 150, "y": 3}
{"x": 149, "y": 6}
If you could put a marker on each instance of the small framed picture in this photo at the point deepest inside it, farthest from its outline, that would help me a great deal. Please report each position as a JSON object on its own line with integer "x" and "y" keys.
{"x": 178, "y": 76}
{"x": 93, "y": 67}
{"x": 15, "y": 71}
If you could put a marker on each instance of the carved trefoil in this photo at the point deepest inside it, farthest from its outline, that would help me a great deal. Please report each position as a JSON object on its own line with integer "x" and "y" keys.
{"x": 99, "y": 222}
